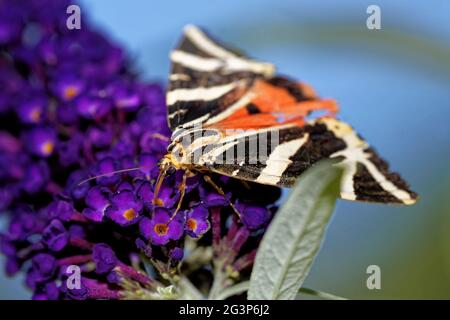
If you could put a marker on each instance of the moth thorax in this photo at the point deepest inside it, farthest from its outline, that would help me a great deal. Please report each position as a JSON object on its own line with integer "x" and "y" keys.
{"x": 177, "y": 156}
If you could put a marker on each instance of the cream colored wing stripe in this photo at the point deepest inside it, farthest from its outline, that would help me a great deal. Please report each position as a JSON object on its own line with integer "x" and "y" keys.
{"x": 279, "y": 160}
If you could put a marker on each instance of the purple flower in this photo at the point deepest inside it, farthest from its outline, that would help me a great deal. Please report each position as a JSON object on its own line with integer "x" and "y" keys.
{"x": 253, "y": 217}
{"x": 105, "y": 170}
{"x": 153, "y": 95}
{"x": 125, "y": 185}
{"x": 128, "y": 162}
{"x": 68, "y": 87}
{"x": 76, "y": 293}
{"x": 100, "y": 136}
{"x": 35, "y": 178}
{"x": 75, "y": 188}
{"x": 125, "y": 208}
{"x": 61, "y": 208}
{"x": 153, "y": 118}
{"x": 93, "y": 107}
{"x": 31, "y": 111}
{"x": 89, "y": 289}
{"x": 9, "y": 143}
{"x": 49, "y": 291}
{"x": 147, "y": 162}
{"x": 40, "y": 141}
{"x": 55, "y": 236}
{"x": 144, "y": 247}
{"x": 67, "y": 114}
{"x": 69, "y": 150}
{"x": 10, "y": 26}
{"x": 124, "y": 96}
{"x": 12, "y": 266}
{"x": 214, "y": 199}
{"x": 43, "y": 268}
{"x": 76, "y": 231}
{"x": 104, "y": 257}
{"x": 191, "y": 182}
{"x": 97, "y": 202}
{"x": 176, "y": 254}
{"x": 6, "y": 198}
{"x": 167, "y": 197}
{"x": 197, "y": 221}
{"x": 24, "y": 223}
{"x": 145, "y": 193}
{"x": 7, "y": 247}
{"x": 47, "y": 50}
{"x": 149, "y": 142}
{"x": 113, "y": 277}
{"x": 160, "y": 229}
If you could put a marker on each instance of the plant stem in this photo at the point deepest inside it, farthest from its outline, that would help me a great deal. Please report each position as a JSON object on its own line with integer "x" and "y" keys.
{"x": 320, "y": 294}
{"x": 218, "y": 282}
{"x": 189, "y": 291}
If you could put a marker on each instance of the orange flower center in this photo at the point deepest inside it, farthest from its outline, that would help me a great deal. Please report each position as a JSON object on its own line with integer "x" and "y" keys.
{"x": 70, "y": 92}
{"x": 129, "y": 214}
{"x": 158, "y": 202}
{"x": 47, "y": 148}
{"x": 161, "y": 229}
{"x": 192, "y": 224}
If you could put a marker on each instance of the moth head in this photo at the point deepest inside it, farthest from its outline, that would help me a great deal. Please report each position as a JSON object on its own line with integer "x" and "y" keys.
{"x": 175, "y": 155}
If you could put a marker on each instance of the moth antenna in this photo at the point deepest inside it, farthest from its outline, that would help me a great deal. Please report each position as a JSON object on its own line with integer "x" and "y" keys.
{"x": 112, "y": 172}
{"x": 160, "y": 137}
{"x": 183, "y": 193}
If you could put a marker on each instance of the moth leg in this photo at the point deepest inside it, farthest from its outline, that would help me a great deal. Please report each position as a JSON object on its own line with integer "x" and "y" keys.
{"x": 221, "y": 192}
{"x": 182, "y": 188}
{"x": 245, "y": 183}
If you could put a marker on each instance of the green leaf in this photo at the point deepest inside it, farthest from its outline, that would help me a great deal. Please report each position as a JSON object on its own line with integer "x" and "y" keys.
{"x": 294, "y": 236}
{"x": 320, "y": 294}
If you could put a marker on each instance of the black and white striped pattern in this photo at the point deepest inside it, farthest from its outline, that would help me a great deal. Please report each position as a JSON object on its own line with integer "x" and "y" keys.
{"x": 207, "y": 79}
{"x": 366, "y": 176}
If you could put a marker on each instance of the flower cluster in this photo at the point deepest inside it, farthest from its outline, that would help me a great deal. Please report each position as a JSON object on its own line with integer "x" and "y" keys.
{"x": 80, "y": 141}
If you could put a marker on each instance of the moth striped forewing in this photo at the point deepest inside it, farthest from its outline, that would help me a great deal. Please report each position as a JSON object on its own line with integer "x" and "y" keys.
{"x": 220, "y": 102}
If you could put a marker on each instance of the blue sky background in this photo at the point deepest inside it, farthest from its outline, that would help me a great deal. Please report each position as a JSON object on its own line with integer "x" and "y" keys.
{"x": 392, "y": 86}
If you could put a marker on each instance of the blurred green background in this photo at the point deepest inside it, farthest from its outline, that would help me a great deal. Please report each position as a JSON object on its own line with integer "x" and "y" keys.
{"x": 393, "y": 87}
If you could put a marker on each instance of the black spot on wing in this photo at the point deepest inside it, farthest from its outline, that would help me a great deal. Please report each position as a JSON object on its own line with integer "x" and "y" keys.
{"x": 291, "y": 86}
{"x": 252, "y": 108}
